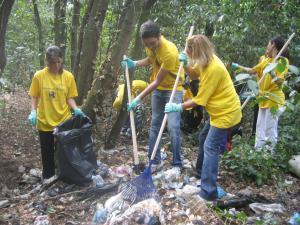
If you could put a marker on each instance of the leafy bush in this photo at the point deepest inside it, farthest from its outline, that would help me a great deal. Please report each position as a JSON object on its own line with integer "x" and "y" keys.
{"x": 249, "y": 164}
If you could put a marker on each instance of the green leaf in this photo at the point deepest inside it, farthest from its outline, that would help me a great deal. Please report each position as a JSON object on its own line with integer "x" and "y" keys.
{"x": 273, "y": 110}
{"x": 242, "y": 76}
{"x": 294, "y": 69}
{"x": 281, "y": 65}
{"x": 253, "y": 86}
{"x": 270, "y": 67}
{"x": 290, "y": 106}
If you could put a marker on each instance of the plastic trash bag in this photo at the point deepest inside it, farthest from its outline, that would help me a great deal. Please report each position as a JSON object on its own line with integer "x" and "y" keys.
{"x": 75, "y": 157}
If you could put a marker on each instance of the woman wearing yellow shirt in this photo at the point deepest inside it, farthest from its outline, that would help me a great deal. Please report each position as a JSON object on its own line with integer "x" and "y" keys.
{"x": 52, "y": 93}
{"x": 217, "y": 95}
{"x": 272, "y": 95}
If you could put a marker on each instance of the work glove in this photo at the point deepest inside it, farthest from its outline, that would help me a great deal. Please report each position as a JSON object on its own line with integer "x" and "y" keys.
{"x": 173, "y": 107}
{"x": 78, "y": 112}
{"x": 234, "y": 66}
{"x": 183, "y": 58}
{"x": 133, "y": 103}
{"x": 130, "y": 63}
{"x": 32, "y": 117}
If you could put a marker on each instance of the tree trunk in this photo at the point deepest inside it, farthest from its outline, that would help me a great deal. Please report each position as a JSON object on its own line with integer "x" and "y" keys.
{"x": 135, "y": 53}
{"x": 99, "y": 99}
{"x": 80, "y": 37}
{"x": 73, "y": 31}
{"x": 90, "y": 47}
{"x": 60, "y": 32}
{"x": 5, "y": 9}
{"x": 38, "y": 23}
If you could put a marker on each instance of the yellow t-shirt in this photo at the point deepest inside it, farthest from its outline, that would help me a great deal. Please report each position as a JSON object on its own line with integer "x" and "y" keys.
{"x": 52, "y": 92}
{"x": 277, "y": 98}
{"x": 167, "y": 57}
{"x": 217, "y": 94}
{"x": 137, "y": 86}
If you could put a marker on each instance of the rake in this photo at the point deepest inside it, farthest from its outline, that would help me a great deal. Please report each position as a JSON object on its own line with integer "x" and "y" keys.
{"x": 142, "y": 187}
{"x": 137, "y": 166}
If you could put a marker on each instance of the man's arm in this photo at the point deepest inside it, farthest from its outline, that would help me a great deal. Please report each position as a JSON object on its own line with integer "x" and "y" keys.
{"x": 160, "y": 76}
{"x": 143, "y": 62}
{"x": 188, "y": 104}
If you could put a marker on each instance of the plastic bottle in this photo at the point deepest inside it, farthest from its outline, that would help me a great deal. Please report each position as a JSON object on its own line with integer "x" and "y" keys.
{"x": 100, "y": 215}
{"x": 98, "y": 181}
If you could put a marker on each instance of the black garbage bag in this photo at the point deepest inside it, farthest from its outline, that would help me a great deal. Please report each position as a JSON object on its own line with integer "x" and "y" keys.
{"x": 75, "y": 157}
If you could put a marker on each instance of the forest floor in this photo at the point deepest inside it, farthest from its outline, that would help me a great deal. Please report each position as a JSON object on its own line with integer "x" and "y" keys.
{"x": 72, "y": 204}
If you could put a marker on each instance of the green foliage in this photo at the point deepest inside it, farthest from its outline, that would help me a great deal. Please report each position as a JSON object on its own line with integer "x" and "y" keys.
{"x": 250, "y": 165}
{"x": 264, "y": 166}
{"x": 229, "y": 217}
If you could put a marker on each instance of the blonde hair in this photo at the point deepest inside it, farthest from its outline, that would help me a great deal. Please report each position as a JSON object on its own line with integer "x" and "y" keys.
{"x": 201, "y": 49}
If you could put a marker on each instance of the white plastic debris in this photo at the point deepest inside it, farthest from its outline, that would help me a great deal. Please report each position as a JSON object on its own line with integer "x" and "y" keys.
{"x": 187, "y": 191}
{"x": 41, "y": 220}
{"x": 259, "y": 208}
{"x": 116, "y": 203}
{"x": 295, "y": 165}
{"x": 144, "y": 212}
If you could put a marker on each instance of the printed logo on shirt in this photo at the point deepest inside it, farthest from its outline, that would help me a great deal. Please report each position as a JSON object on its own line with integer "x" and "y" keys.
{"x": 52, "y": 94}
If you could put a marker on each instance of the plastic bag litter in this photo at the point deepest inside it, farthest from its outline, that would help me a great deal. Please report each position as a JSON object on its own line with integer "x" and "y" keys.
{"x": 295, "y": 165}
{"x": 187, "y": 192}
{"x": 116, "y": 203}
{"x": 98, "y": 181}
{"x": 259, "y": 208}
{"x": 295, "y": 220}
{"x": 169, "y": 179}
{"x": 100, "y": 215}
{"x": 41, "y": 220}
{"x": 76, "y": 159}
{"x": 121, "y": 171}
{"x": 148, "y": 211}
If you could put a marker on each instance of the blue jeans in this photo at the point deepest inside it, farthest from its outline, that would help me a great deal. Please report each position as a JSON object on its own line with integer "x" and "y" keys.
{"x": 212, "y": 143}
{"x": 158, "y": 102}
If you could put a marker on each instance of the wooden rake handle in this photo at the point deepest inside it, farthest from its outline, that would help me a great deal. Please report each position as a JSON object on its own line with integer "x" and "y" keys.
{"x": 171, "y": 99}
{"x": 131, "y": 115}
{"x": 264, "y": 75}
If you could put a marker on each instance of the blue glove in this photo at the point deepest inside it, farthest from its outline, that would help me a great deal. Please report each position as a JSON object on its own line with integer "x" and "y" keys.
{"x": 78, "y": 112}
{"x": 133, "y": 103}
{"x": 32, "y": 117}
{"x": 183, "y": 58}
{"x": 130, "y": 63}
{"x": 173, "y": 107}
{"x": 234, "y": 66}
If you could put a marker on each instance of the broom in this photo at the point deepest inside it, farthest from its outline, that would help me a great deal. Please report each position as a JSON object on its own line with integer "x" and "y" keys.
{"x": 142, "y": 187}
{"x": 265, "y": 73}
{"x": 132, "y": 123}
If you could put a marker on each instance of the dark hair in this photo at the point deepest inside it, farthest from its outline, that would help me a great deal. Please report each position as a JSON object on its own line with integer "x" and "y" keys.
{"x": 149, "y": 29}
{"x": 52, "y": 52}
{"x": 279, "y": 43}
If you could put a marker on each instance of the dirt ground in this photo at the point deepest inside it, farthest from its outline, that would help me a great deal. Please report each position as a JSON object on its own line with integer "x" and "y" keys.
{"x": 19, "y": 153}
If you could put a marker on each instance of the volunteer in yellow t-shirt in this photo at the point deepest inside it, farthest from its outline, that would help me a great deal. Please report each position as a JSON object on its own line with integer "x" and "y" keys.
{"x": 217, "y": 95}
{"x": 270, "y": 89}
{"x": 137, "y": 87}
{"x": 163, "y": 56}
{"x": 52, "y": 94}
